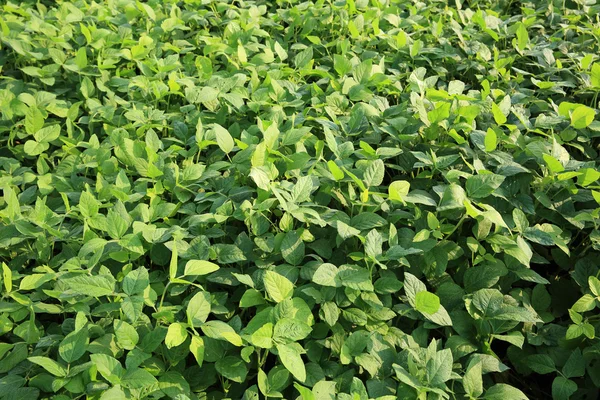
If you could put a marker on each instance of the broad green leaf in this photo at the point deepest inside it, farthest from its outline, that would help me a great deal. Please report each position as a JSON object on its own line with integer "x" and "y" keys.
{"x": 7, "y": 278}
{"x": 563, "y": 388}
{"x": 138, "y": 378}
{"x": 595, "y": 75}
{"x": 90, "y": 285}
{"x": 136, "y": 281}
{"x": 47, "y": 134}
{"x": 176, "y": 335}
{"x": 374, "y": 173}
{"x": 472, "y": 381}
{"x": 426, "y": 302}
{"x": 491, "y": 140}
{"x": 439, "y": 368}
{"x": 278, "y": 287}
{"x": 81, "y": 59}
{"x": 88, "y": 205}
{"x": 198, "y": 309}
{"x": 499, "y": 116}
{"x": 49, "y": 365}
{"x": 74, "y": 345}
{"x": 109, "y": 367}
{"x": 327, "y": 275}
{"x": 199, "y": 267}
{"x": 221, "y": 331}
{"x": 34, "y": 148}
{"x": 126, "y": 334}
{"x": 398, "y": 190}
{"x": 337, "y": 173}
{"x": 292, "y": 248}
{"x": 224, "y": 139}
{"x": 197, "y": 349}
{"x": 587, "y": 176}
{"x": 540, "y": 363}
{"x": 481, "y": 186}
{"x": 502, "y": 391}
{"x": 289, "y": 354}
{"x": 553, "y": 164}
{"x": 582, "y": 117}
{"x": 232, "y": 368}
{"x": 263, "y": 337}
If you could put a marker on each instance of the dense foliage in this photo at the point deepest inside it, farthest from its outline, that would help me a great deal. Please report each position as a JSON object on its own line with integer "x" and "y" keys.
{"x": 321, "y": 200}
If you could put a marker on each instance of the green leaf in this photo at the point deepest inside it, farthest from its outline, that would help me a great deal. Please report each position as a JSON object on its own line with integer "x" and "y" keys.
{"x": 292, "y": 248}
{"x": 501, "y": 391}
{"x": 373, "y": 244}
{"x": 427, "y": 303}
{"x": 138, "y": 378}
{"x": 221, "y": 331}
{"x": 341, "y": 65}
{"x": 439, "y": 368}
{"x": 74, "y": 345}
{"x": 176, "y": 335}
{"x": 289, "y": 354}
{"x": 197, "y": 349}
{"x": 88, "y": 205}
{"x": 224, "y": 139}
{"x": 453, "y": 198}
{"x": 263, "y": 337}
{"x": 81, "y": 58}
{"x": 291, "y": 329}
{"x": 337, "y": 173}
{"x": 109, "y": 367}
{"x": 553, "y": 164}
{"x": 198, "y": 309}
{"x": 594, "y": 284}
{"x": 398, "y": 190}
{"x": 126, "y": 334}
{"x": 586, "y": 303}
{"x": 278, "y": 287}
{"x": 595, "y": 75}
{"x": 199, "y": 267}
{"x": 499, "y": 116}
{"x": 232, "y": 368}
{"x": 47, "y": 134}
{"x": 582, "y": 117}
{"x": 540, "y": 363}
{"x": 587, "y": 176}
{"x": 7, "y": 277}
{"x": 563, "y": 388}
{"x": 49, "y": 365}
{"x": 374, "y": 173}
{"x": 34, "y": 120}
{"x": 473, "y": 380}
{"x": 116, "y": 225}
{"x": 575, "y": 365}
{"x": 327, "y": 275}
{"x": 481, "y": 186}
{"x": 136, "y": 281}
{"x": 491, "y": 140}
{"x": 302, "y": 189}
{"x": 33, "y": 148}
{"x": 90, "y": 285}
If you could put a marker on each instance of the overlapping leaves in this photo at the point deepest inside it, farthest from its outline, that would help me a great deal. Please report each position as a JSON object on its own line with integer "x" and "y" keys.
{"x": 317, "y": 200}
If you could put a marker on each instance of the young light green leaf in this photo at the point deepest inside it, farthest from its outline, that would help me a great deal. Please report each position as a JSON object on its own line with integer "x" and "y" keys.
{"x": 176, "y": 335}
{"x": 278, "y": 287}
{"x": 200, "y": 267}
{"x": 427, "y": 302}
{"x": 198, "y": 309}
{"x": 289, "y": 354}
{"x": 224, "y": 139}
